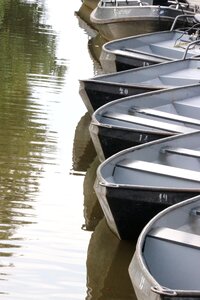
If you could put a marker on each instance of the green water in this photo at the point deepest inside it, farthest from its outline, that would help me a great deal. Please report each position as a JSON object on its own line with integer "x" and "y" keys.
{"x": 48, "y": 246}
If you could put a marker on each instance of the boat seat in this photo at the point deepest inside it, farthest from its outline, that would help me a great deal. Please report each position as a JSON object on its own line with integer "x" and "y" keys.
{"x": 177, "y": 236}
{"x": 169, "y": 46}
{"x": 159, "y": 125}
{"x": 183, "y": 80}
{"x": 165, "y": 115}
{"x": 181, "y": 151}
{"x": 157, "y": 51}
{"x": 160, "y": 169}
{"x": 189, "y": 73}
{"x": 140, "y": 55}
{"x": 178, "y": 51}
{"x": 135, "y": 52}
{"x": 189, "y": 104}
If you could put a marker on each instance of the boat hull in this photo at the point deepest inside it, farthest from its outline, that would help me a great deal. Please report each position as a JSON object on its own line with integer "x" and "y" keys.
{"x": 128, "y": 210}
{"x": 115, "y": 22}
{"x": 95, "y": 93}
{"x": 102, "y": 89}
{"x": 123, "y": 28}
{"x": 108, "y": 141}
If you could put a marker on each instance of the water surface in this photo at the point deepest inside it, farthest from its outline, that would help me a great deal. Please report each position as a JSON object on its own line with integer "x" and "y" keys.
{"x": 48, "y": 209}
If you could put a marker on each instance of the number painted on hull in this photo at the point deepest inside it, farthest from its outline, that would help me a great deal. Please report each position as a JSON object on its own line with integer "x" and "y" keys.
{"x": 145, "y": 64}
{"x": 123, "y": 91}
{"x": 143, "y": 138}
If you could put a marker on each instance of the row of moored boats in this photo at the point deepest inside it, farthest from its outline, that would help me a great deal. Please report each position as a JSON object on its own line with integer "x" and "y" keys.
{"x": 145, "y": 127}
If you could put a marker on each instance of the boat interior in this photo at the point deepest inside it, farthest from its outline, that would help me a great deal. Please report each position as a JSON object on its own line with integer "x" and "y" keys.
{"x": 178, "y": 78}
{"x": 167, "y": 163}
{"x": 177, "y": 74}
{"x": 167, "y": 44}
{"x": 181, "y": 116}
{"x": 168, "y": 48}
{"x": 157, "y": 124}
{"x": 171, "y": 252}
{"x": 172, "y": 247}
{"x": 155, "y": 174}
{"x": 185, "y": 112}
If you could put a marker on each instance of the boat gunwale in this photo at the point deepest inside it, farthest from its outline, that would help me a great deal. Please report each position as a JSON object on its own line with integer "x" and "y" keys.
{"x": 103, "y": 183}
{"x": 135, "y": 85}
{"x": 95, "y": 122}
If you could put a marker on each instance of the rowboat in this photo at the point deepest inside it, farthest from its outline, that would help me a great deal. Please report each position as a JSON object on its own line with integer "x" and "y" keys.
{"x": 166, "y": 261}
{"x": 135, "y": 184}
{"x": 139, "y": 119}
{"x": 116, "y": 19}
{"x": 151, "y": 48}
{"x": 102, "y": 89}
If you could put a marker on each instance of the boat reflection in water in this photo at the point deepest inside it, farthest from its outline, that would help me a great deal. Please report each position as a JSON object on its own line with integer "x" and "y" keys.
{"x": 83, "y": 15}
{"x": 95, "y": 46}
{"x": 85, "y": 10}
{"x": 92, "y": 209}
{"x": 83, "y": 148}
{"x": 95, "y": 41}
{"x": 85, "y": 162}
{"x": 107, "y": 266}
